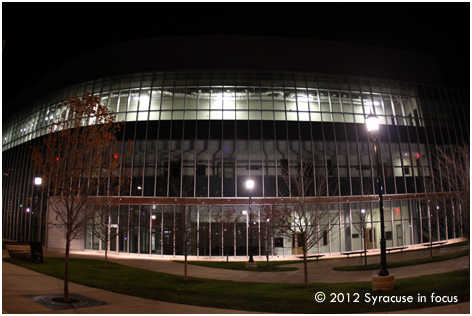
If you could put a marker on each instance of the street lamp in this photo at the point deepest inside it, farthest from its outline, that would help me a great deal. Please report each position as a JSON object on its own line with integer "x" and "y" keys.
{"x": 372, "y": 122}
{"x": 38, "y": 181}
{"x": 136, "y": 189}
{"x": 250, "y": 263}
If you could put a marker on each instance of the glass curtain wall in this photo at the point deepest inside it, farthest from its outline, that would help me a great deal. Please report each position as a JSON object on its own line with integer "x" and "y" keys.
{"x": 223, "y": 231}
{"x": 204, "y": 134}
{"x": 200, "y": 135}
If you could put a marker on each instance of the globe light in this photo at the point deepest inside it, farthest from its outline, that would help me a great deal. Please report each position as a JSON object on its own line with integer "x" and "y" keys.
{"x": 372, "y": 122}
{"x": 250, "y": 184}
{"x": 38, "y": 180}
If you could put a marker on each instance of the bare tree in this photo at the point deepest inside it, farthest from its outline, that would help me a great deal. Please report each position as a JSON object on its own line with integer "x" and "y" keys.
{"x": 454, "y": 166}
{"x": 229, "y": 220}
{"x": 270, "y": 217}
{"x": 185, "y": 233}
{"x": 185, "y": 227}
{"x": 360, "y": 220}
{"x": 101, "y": 226}
{"x": 306, "y": 220}
{"x": 76, "y": 161}
{"x": 451, "y": 174}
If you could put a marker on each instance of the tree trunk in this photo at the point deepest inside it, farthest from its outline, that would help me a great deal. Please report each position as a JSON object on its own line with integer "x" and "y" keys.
{"x": 107, "y": 238}
{"x": 106, "y": 257}
{"x": 431, "y": 250}
{"x": 468, "y": 243}
{"x": 185, "y": 269}
{"x": 430, "y": 236}
{"x": 365, "y": 249}
{"x": 305, "y": 266}
{"x": 267, "y": 254}
{"x": 66, "y": 271}
{"x": 430, "y": 243}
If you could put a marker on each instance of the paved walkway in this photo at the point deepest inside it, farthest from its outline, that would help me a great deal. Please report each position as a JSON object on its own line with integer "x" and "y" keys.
{"x": 321, "y": 271}
{"x": 18, "y": 282}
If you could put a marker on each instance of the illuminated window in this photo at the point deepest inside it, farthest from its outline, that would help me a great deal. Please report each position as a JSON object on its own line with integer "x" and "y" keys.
{"x": 190, "y": 115}
{"x": 254, "y": 115}
{"x": 142, "y": 116}
{"x": 131, "y": 117}
{"x": 229, "y": 115}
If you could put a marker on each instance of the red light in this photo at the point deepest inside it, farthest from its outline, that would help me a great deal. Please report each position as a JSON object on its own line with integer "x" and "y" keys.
{"x": 116, "y": 156}
{"x": 417, "y": 155}
{"x": 57, "y": 158}
{"x": 397, "y": 209}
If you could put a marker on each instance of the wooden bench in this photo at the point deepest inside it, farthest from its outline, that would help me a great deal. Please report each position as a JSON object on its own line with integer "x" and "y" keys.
{"x": 353, "y": 253}
{"x": 396, "y": 248}
{"x": 311, "y": 256}
{"x": 436, "y": 243}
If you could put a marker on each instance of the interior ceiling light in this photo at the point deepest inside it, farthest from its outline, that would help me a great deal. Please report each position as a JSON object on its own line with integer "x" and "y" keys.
{"x": 305, "y": 98}
{"x": 369, "y": 102}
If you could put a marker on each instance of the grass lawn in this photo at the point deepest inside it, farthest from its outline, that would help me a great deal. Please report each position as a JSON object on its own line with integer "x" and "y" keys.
{"x": 405, "y": 263}
{"x": 257, "y": 297}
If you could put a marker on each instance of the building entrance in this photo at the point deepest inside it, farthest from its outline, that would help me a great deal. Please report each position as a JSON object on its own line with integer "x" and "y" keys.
{"x": 297, "y": 244}
{"x": 371, "y": 241}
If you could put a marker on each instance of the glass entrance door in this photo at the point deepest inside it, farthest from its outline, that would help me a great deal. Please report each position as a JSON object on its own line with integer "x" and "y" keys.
{"x": 399, "y": 234}
{"x": 113, "y": 239}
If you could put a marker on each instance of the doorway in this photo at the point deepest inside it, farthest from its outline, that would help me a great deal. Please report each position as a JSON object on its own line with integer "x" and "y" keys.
{"x": 156, "y": 240}
{"x": 297, "y": 243}
{"x": 113, "y": 238}
{"x": 371, "y": 240}
{"x": 399, "y": 234}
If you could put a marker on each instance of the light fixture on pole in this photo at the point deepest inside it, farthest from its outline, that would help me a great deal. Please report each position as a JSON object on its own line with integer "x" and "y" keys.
{"x": 372, "y": 122}
{"x": 136, "y": 189}
{"x": 38, "y": 180}
{"x": 250, "y": 264}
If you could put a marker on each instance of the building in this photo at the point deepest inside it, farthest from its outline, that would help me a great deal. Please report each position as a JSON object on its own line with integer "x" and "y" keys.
{"x": 207, "y": 113}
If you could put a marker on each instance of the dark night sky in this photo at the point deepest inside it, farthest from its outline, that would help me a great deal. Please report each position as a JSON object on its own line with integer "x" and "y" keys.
{"x": 41, "y": 37}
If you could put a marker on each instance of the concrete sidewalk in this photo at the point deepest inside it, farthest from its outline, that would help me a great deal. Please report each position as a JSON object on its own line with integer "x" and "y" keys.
{"x": 18, "y": 282}
{"x": 321, "y": 271}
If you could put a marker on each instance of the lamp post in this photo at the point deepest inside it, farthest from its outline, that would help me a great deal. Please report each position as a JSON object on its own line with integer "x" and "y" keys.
{"x": 250, "y": 264}
{"x": 372, "y": 122}
{"x": 37, "y": 209}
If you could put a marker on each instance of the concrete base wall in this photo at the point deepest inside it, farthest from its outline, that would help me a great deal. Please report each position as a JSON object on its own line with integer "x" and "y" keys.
{"x": 55, "y": 234}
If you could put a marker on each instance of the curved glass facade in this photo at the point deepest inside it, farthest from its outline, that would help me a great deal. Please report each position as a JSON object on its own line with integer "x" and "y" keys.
{"x": 200, "y": 135}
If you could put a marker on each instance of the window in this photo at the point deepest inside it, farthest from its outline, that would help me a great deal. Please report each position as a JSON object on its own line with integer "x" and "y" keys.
{"x": 278, "y": 242}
